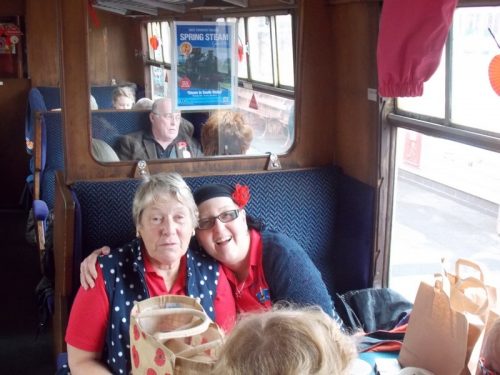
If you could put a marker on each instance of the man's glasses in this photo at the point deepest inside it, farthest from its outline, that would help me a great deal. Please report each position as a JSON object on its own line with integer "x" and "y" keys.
{"x": 224, "y": 217}
{"x": 169, "y": 116}
{"x": 485, "y": 370}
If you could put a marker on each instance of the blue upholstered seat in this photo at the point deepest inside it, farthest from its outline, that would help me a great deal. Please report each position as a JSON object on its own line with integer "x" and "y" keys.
{"x": 327, "y": 212}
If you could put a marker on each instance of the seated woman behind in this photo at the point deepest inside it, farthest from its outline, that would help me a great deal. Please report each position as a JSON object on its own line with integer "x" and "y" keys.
{"x": 286, "y": 341}
{"x": 157, "y": 262}
{"x": 123, "y": 97}
{"x": 226, "y": 133}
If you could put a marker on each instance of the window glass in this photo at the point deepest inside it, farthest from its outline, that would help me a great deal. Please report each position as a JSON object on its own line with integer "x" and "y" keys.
{"x": 474, "y": 103}
{"x": 242, "y": 50}
{"x": 165, "y": 42}
{"x": 446, "y": 200}
{"x": 270, "y": 117}
{"x": 446, "y": 205}
{"x": 265, "y": 45}
{"x": 432, "y": 103}
{"x": 285, "y": 50}
{"x": 159, "y": 82}
{"x": 259, "y": 49}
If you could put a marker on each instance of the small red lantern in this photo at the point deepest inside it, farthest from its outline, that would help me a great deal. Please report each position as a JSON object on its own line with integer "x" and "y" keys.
{"x": 154, "y": 42}
{"x": 494, "y": 73}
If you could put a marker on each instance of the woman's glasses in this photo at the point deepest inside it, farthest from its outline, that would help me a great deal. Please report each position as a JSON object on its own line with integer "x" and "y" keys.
{"x": 224, "y": 217}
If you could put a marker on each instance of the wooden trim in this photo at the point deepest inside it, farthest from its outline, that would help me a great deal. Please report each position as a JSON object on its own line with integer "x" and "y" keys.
{"x": 64, "y": 228}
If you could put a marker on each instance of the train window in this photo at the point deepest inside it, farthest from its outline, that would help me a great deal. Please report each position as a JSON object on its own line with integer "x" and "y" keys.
{"x": 265, "y": 94}
{"x": 446, "y": 201}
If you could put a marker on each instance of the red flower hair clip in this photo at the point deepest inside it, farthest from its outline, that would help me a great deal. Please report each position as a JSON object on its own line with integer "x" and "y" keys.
{"x": 241, "y": 195}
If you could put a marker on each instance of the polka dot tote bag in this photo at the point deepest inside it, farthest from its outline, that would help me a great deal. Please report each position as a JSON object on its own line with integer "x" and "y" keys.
{"x": 172, "y": 335}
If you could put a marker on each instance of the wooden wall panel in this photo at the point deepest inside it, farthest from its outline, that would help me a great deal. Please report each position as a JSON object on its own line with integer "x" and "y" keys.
{"x": 13, "y": 156}
{"x": 314, "y": 96}
{"x": 42, "y": 42}
{"x": 12, "y": 8}
{"x": 113, "y": 44}
{"x": 354, "y": 31}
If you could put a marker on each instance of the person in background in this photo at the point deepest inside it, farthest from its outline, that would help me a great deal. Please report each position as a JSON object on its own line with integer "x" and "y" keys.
{"x": 262, "y": 266}
{"x": 123, "y": 97}
{"x": 159, "y": 261}
{"x": 489, "y": 363}
{"x": 286, "y": 341}
{"x": 226, "y": 133}
{"x": 163, "y": 140}
{"x": 143, "y": 104}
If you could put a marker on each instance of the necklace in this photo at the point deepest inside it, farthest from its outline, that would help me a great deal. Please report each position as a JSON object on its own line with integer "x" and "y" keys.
{"x": 240, "y": 289}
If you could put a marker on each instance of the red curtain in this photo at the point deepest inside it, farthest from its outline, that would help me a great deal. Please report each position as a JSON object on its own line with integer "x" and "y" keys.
{"x": 411, "y": 39}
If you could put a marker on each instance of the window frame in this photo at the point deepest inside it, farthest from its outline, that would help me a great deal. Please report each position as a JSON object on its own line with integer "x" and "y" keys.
{"x": 392, "y": 118}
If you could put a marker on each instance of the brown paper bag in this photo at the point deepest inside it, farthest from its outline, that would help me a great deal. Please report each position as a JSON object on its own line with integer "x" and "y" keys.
{"x": 172, "y": 335}
{"x": 436, "y": 337}
{"x": 446, "y": 325}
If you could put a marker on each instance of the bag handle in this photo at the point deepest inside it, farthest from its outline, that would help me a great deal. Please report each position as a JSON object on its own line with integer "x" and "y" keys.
{"x": 468, "y": 263}
{"x": 463, "y": 303}
{"x": 182, "y": 331}
{"x": 192, "y": 351}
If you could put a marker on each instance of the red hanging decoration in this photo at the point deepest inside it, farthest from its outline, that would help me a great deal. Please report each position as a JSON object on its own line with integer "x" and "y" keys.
{"x": 154, "y": 42}
{"x": 494, "y": 73}
{"x": 253, "y": 102}
{"x": 240, "y": 52}
{"x": 93, "y": 14}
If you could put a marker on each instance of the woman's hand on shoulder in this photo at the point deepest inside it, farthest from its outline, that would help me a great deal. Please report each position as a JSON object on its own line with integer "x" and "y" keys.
{"x": 88, "y": 271}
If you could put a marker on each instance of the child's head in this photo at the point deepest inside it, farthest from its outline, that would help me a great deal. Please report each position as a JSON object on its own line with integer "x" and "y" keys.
{"x": 286, "y": 341}
{"x": 123, "y": 98}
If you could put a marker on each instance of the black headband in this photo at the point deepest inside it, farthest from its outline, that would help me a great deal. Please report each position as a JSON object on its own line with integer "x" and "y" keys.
{"x": 209, "y": 191}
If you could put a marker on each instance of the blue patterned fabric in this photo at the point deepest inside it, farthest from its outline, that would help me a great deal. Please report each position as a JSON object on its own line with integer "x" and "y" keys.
{"x": 102, "y": 94}
{"x": 328, "y": 213}
{"x": 52, "y": 155}
{"x": 110, "y": 125}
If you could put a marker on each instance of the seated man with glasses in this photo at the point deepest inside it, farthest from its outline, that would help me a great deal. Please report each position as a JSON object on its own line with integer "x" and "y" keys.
{"x": 165, "y": 139}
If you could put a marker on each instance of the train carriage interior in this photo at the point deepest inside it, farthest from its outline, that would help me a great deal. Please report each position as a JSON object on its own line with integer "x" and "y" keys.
{"x": 372, "y": 139}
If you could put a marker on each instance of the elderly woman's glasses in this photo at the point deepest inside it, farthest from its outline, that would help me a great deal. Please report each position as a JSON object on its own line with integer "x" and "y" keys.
{"x": 169, "y": 116}
{"x": 224, "y": 217}
{"x": 485, "y": 370}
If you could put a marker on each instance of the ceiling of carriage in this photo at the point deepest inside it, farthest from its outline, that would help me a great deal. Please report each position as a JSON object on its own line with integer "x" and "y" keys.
{"x": 156, "y": 7}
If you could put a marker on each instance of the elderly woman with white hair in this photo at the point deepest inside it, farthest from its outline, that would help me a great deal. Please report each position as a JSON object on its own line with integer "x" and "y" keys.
{"x": 159, "y": 261}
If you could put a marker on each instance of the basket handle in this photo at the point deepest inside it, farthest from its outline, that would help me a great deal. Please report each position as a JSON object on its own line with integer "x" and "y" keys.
{"x": 182, "y": 332}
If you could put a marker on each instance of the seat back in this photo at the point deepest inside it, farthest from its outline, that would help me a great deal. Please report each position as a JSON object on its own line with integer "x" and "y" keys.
{"x": 109, "y": 125}
{"x": 303, "y": 204}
